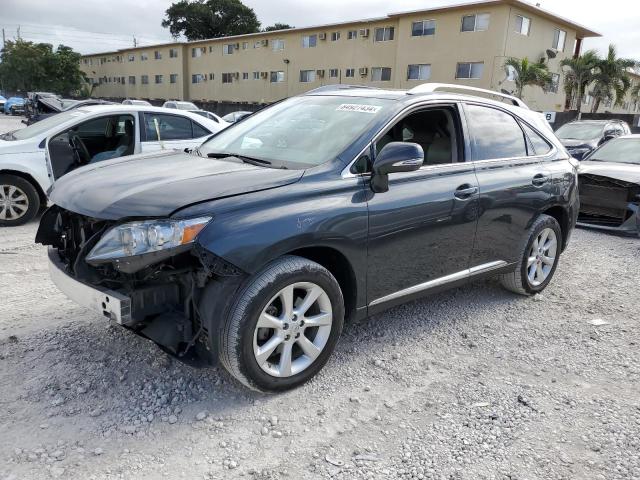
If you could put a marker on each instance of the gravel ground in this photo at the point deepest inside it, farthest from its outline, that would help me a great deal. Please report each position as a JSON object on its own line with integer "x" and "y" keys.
{"x": 475, "y": 383}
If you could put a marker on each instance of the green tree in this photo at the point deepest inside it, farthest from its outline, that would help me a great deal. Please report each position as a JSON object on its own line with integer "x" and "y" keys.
{"x": 201, "y": 19}
{"x": 27, "y": 66}
{"x": 526, "y": 73}
{"x": 611, "y": 80}
{"x": 277, "y": 26}
{"x": 579, "y": 73}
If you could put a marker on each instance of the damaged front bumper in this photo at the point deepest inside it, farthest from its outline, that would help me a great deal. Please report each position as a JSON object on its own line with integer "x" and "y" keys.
{"x": 111, "y": 304}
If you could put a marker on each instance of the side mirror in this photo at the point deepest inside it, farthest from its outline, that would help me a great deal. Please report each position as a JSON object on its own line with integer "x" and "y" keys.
{"x": 395, "y": 157}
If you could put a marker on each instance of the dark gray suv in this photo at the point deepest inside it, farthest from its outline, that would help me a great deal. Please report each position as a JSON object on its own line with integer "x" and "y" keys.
{"x": 334, "y": 205}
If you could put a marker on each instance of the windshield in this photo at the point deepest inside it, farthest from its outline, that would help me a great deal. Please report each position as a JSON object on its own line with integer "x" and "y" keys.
{"x": 619, "y": 150}
{"x": 186, "y": 106}
{"x": 43, "y": 126}
{"x": 580, "y": 131}
{"x": 300, "y": 132}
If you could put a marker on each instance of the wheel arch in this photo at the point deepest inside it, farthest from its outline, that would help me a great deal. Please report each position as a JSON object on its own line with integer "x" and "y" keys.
{"x": 340, "y": 267}
{"x": 28, "y": 178}
{"x": 563, "y": 218}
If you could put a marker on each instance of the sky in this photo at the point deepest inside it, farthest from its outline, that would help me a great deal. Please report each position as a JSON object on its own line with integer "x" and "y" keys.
{"x": 90, "y": 26}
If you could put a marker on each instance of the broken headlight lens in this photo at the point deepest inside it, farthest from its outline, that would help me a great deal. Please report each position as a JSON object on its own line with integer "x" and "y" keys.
{"x": 138, "y": 238}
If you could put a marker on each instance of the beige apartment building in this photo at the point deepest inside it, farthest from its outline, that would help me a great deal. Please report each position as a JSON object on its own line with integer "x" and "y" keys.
{"x": 465, "y": 44}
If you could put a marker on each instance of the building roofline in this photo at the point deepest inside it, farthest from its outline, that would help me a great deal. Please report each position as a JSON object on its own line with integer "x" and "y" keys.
{"x": 581, "y": 31}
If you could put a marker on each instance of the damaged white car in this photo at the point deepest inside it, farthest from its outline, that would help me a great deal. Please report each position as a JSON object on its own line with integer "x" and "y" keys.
{"x": 32, "y": 158}
{"x": 610, "y": 187}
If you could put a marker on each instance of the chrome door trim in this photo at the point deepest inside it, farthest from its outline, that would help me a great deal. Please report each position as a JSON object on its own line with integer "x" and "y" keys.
{"x": 467, "y": 273}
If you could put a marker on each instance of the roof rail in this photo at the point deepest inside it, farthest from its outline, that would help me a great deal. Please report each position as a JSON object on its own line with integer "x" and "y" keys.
{"x": 435, "y": 87}
{"x": 339, "y": 86}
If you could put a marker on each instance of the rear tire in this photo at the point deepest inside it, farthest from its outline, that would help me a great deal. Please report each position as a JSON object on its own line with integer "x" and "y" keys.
{"x": 19, "y": 201}
{"x": 539, "y": 258}
{"x": 283, "y": 326}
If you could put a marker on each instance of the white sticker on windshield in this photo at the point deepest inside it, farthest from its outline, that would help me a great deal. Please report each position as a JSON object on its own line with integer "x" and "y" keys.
{"x": 354, "y": 107}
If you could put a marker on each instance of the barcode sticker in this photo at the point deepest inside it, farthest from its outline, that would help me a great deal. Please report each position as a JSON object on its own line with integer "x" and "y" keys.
{"x": 354, "y": 107}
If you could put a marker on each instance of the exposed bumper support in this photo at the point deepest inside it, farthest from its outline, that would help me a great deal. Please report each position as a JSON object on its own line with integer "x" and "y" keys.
{"x": 112, "y": 304}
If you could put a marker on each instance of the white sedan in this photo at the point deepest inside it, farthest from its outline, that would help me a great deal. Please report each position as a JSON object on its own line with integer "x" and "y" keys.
{"x": 32, "y": 158}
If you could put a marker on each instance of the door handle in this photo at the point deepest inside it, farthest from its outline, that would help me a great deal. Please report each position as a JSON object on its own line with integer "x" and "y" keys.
{"x": 464, "y": 192}
{"x": 540, "y": 179}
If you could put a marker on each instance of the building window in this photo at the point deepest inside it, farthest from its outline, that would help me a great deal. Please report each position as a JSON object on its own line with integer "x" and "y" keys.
{"x": 197, "y": 78}
{"x": 309, "y": 41}
{"x": 245, "y": 45}
{"x": 173, "y": 53}
{"x": 469, "y": 70}
{"x": 132, "y": 80}
{"x": 257, "y": 44}
{"x": 419, "y": 72}
{"x": 523, "y": 25}
{"x": 228, "y": 49}
{"x": 559, "y": 39}
{"x": 144, "y": 79}
{"x": 380, "y": 74}
{"x": 350, "y": 72}
{"x": 227, "y": 77}
{"x": 143, "y": 57}
{"x": 212, "y": 76}
{"x": 132, "y": 57}
{"x": 173, "y": 78}
{"x": 157, "y": 55}
{"x": 555, "y": 83}
{"x": 277, "y": 45}
{"x": 245, "y": 75}
{"x": 277, "y": 77}
{"x": 423, "y": 28}
{"x": 475, "y": 23}
{"x": 351, "y": 34}
{"x": 333, "y": 73}
{"x": 384, "y": 34}
{"x": 159, "y": 79}
{"x": 335, "y": 36}
{"x": 197, "y": 52}
{"x": 256, "y": 75}
{"x": 307, "y": 76}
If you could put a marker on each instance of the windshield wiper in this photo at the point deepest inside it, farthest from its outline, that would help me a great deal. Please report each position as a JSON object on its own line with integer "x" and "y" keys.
{"x": 253, "y": 161}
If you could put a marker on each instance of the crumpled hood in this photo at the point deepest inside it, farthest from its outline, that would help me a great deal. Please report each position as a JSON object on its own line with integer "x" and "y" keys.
{"x": 573, "y": 143}
{"x": 156, "y": 185}
{"x": 620, "y": 171}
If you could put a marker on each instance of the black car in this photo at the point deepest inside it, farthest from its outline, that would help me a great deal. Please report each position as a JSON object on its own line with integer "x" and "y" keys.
{"x": 609, "y": 185}
{"x": 582, "y": 137}
{"x": 329, "y": 206}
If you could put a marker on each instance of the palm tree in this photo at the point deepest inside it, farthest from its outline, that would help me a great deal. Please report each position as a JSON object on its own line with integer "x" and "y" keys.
{"x": 579, "y": 73}
{"x": 611, "y": 80}
{"x": 527, "y": 73}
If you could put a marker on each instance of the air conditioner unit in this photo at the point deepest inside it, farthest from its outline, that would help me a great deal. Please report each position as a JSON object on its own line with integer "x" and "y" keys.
{"x": 364, "y": 71}
{"x": 322, "y": 36}
{"x": 320, "y": 73}
{"x": 265, "y": 42}
{"x": 364, "y": 32}
{"x": 236, "y": 75}
{"x": 237, "y": 46}
{"x": 264, "y": 74}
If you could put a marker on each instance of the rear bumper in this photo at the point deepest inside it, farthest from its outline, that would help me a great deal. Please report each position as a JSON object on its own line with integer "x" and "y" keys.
{"x": 111, "y": 304}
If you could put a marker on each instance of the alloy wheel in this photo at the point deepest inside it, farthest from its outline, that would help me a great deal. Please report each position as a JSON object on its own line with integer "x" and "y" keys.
{"x": 293, "y": 329}
{"x": 542, "y": 257}
{"x": 14, "y": 203}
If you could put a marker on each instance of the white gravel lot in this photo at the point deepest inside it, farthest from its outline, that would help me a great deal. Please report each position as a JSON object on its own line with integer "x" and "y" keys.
{"x": 476, "y": 383}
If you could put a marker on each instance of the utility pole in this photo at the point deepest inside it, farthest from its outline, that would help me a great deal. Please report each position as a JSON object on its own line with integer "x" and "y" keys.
{"x": 135, "y": 42}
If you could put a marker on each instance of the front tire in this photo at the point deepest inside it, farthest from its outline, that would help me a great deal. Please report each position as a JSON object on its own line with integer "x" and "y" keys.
{"x": 19, "y": 201}
{"x": 539, "y": 258}
{"x": 283, "y": 326}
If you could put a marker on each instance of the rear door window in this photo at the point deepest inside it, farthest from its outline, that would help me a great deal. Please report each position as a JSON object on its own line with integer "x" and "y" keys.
{"x": 199, "y": 131}
{"x": 171, "y": 127}
{"x": 494, "y": 134}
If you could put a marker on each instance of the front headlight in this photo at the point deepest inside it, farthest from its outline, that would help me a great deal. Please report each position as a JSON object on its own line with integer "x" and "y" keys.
{"x": 137, "y": 238}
